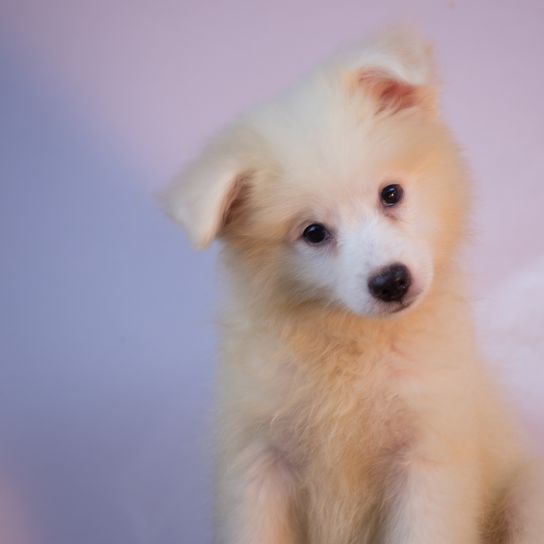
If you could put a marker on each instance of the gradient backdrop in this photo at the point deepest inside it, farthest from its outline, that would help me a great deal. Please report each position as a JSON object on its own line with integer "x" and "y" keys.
{"x": 106, "y": 332}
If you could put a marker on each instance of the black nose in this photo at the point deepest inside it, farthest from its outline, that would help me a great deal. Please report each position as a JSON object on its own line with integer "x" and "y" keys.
{"x": 391, "y": 283}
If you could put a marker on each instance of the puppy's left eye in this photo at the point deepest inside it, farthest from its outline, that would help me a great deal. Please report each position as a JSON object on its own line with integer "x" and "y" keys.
{"x": 391, "y": 194}
{"x": 315, "y": 234}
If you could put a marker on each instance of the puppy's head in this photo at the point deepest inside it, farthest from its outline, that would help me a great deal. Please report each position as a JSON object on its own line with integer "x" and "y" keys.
{"x": 347, "y": 189}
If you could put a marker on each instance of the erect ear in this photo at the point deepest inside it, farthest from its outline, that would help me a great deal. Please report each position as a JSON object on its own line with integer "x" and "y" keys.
{"x": 201, "y": 197}
{"x": 397, "y": 72}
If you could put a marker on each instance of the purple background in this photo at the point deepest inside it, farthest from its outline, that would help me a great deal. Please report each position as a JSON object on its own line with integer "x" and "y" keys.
{"x": 106, "y": 323}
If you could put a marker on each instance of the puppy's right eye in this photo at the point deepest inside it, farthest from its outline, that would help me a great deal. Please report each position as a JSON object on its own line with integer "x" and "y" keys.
{"x": 315, "y": 234}
{"x": 391, "y": 195}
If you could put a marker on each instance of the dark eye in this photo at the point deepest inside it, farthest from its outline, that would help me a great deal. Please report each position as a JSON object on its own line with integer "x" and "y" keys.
{"x": 391, "y": 194}
{"x": 316, "y": 233}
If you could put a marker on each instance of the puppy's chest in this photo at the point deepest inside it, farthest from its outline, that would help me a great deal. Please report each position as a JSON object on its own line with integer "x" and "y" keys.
{"x": 361, "y": 410}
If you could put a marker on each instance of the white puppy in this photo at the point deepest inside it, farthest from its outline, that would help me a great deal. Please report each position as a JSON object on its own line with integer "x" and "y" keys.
{"x": 353, "y": 405}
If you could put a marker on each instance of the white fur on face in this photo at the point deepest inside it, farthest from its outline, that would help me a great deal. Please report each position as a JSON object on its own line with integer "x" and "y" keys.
{"x": 339, "y": 270}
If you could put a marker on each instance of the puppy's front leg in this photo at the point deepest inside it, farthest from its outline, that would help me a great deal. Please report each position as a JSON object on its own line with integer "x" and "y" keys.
{"x": 435, "y": 504}
{"x": 522, "y": 514}
{"x": 256, "y": 502}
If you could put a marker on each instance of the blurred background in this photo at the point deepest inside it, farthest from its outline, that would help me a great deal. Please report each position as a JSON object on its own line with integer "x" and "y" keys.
{"x": 106, "y": 315}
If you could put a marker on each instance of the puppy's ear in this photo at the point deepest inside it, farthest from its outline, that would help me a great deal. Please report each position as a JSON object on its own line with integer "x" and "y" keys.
{"x": 201, "y": 197}
{"x": 393, "y": 94}
{"x": 396, "y": 71}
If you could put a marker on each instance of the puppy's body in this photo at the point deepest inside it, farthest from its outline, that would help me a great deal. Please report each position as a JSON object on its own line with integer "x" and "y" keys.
{"x": 360, "y": 424}
{"x": 343, "y": 416}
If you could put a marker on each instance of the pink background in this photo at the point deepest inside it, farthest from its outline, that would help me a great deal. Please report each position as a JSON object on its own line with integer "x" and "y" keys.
{"x": 106, "y": 337}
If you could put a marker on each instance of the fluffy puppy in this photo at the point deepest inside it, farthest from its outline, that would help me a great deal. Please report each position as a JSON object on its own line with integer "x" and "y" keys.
{"x": 353, "y": 407}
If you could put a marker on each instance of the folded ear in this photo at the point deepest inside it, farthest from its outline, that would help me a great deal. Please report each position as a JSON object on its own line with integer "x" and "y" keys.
{"x": 393, "y": 94}
{"x": 201, "y": 197}
{"x": 397, "y": 72}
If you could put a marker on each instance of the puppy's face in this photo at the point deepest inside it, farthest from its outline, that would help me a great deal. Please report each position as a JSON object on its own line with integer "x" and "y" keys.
{"x": 364, "y": 226}
{"x": 370, "y": 249}
{"x": 364, "y": 254}
{"x": 348, "y": 191}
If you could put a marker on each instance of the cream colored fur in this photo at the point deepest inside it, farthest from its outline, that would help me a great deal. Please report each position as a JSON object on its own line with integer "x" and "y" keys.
{"x": 338, "y": 421}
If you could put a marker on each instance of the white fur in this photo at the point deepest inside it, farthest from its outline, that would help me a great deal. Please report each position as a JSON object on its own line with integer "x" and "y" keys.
{"x": 337, "y": 423}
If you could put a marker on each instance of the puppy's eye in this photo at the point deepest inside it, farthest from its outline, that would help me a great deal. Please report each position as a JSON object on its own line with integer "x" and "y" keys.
{"x": 316, "y": 233}
{"x": 391, "y": 194}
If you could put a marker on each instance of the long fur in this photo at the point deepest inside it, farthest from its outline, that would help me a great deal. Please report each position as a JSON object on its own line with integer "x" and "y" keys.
{"x": 338, "y": 422}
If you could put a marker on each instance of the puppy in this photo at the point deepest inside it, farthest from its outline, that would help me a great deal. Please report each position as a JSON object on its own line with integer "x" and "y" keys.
{"x": 353, "y": 407}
